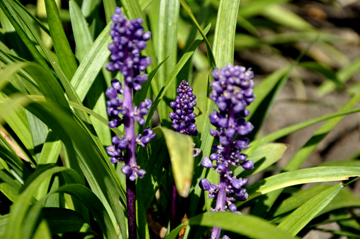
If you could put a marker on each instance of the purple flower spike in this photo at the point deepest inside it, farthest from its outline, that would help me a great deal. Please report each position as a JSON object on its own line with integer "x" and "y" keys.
{"x": 183, "y": 117}
{"x": 232, "y": 92}
{"x": 129, "y": 39}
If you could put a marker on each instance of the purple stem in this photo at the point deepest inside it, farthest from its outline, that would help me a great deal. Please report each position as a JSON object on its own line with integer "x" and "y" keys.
{"x": 130, "y": 159}
{"x": 220, "y": 204}
{"x": 173, "y": 207}
{"x": 221, "y": 196}
{"x": 130, "y": 196}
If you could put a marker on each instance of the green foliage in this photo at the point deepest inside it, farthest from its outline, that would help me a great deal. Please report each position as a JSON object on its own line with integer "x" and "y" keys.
{"x": 56, "y": 179}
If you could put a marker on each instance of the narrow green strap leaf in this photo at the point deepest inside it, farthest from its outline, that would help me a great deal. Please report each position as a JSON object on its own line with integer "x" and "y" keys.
{"x": 286, "y": 17}
{"x": 81, "y": 31}
{"x": 269, "y": 89}
{"x": 49, "y": 155}
{"x": 21, "y": 205}
{"x": 210, "y": 53}
{"x": 61, "y": 45}
{"x": 343, "y": 75}
{"x": 86, "y": 154}
{"x": 7, "y": 154}
{"x": 293, "y": 128}
{"x": 306, "y": 212}
{"x": 225, "y": 32}
{"x": 312, "y": 143}
{"x": 249, "y": 9}
{"x": 43, "y": 231}
{"x": 95, "y": 206}
{"x": 297, "y": 199}
{"x": 84, "y": 42}
{"x": 17, "y": 120}
{"x": 17, "y": 21}
{"x": 154, "y": 177}
{"x": 263, "y": 157}
{"x": 233, "y": 222}
{"x": 91, "y": 64}
{"x": 167, "y": 47}
{"x": 325, "y": 71}
{"x": 308, "y": 175}
{"x": 10, "y": 13}
{"x": 13, "y": 40}
{"x": 141, "y": 95}
{"x": 62, "y": 220}
{"x": 109, "y": 6}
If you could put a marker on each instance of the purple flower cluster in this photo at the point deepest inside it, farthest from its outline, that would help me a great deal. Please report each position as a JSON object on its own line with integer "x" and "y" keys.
{"x": 232, "y": 91}
{"x": 128, "y": 39}
{"x": 183, "y": 117}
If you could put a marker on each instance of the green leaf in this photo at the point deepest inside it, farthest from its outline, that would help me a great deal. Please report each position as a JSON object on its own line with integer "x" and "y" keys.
{"x": 62, "y": 220}
{"x": 109, "y": 6}
{"x": 297, "y": 199}
{"x": 15, "y": 21}
{"x": 7, "y": 154}
{"x": 313, "y": 142}
{"x": 49, "y": 155}
{"x": 43, "y": 231}
{"x": 81, "y": 31}
{"x": 343, "y": 75}
{"x": 200, "y": 86}
{"x": 167, "y": 48}
{"x": 263, "y": 157}
{"x": 345, "y": 199}
{"x": 154, "y": 159}
{"x": 293, "y": 128}
{"x": 225, "y": 32}
{"x": 285, "y": 17}
{"x": 87, "y": 198}
{"x": 180, "y": 148}
{"x": 204, "y": 32}
{"x": 21, "y": 205}
{"x": 325, "y": 71}
{"x": 233, "y": 222}
{"x": 61, "y": 45}
{"x": 306, "y": 212}
{"x": 92, "y": 63}
{"x": 255, "y": 7}
{"x": 17, "y": 121}
{"x": 13, "y": 40}
{"x": 302, "y": 176}
{"x": 141, "y": 95}
{"x": 87, "y": 155}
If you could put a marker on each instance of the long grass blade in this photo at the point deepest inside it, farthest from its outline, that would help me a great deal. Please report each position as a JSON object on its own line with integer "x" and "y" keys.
{"x": 61, "y": 45}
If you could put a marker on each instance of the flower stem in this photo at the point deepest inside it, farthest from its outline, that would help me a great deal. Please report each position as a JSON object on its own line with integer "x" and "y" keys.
{"x": 130, "y": 159}
{"x": 130, "y": 196}
{"x": 173, "y": 207}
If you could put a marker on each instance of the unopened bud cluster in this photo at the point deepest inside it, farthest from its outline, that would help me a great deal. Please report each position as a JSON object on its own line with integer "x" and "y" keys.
{"x": 183, "y": 117}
